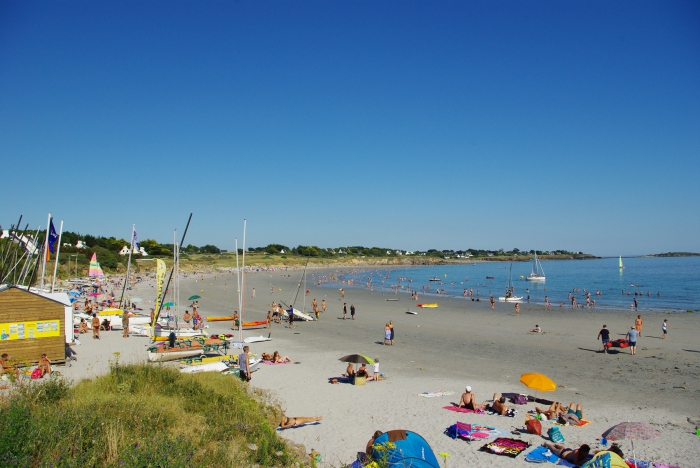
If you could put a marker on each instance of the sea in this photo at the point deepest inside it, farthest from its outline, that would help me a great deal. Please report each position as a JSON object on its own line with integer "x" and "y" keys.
{"x": 660, "y": 283}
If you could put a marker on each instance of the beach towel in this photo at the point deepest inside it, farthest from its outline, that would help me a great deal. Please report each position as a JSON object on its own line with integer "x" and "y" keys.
{"x": 583, "y": 422}
{"x": 664, "y": 465}
{"x": 435, "y": 393}
{"x": 340, "y": 379}
{"x": 462, "y": 410}
{"x": 640, "y": 463}
{"x": 466, "y": 431}
{"x": 505, "y": 446}
{"x": 541, "y": 455}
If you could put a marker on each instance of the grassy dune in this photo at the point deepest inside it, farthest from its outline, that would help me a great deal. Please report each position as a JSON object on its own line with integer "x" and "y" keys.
{"x": 145, "y": 416}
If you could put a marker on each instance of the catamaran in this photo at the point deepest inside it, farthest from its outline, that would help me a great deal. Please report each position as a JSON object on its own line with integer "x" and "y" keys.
{"x": 537, "y": 270}
{"x": 510, "y": 290}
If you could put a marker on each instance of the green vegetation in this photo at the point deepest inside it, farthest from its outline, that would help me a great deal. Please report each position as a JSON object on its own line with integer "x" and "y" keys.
{"x": 676, "y": 254}
{"x": 145, "y": 416}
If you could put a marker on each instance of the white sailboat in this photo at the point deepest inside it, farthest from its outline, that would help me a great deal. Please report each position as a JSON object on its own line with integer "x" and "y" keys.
{"x": 622, "y": 267}
{"x": 537, "y": 270}
{"x": 510, "y": 290}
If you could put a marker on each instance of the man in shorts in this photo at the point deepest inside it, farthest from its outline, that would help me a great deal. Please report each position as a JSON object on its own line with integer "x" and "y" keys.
{"x": 244, "y": 365}
{"x": 664, "y": 328}
{"x": 604, "y": 335}
{"x": 632, "y": 338}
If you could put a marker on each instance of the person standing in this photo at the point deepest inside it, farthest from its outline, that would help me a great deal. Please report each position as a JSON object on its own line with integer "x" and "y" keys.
{"x": 391, "y": 328}
{"x": 345, "y": 310}
{"x": 125, "y": 324}
{"x": 352, "y": 311}
{"x": 517, "y": 308}
{"x": 638, "y": 321}
{"x": 269, "y": 318}
{"x": 290, "y": 313}
{"x": 375, "y": 369}
{"x": 604, "y": 336}
{"x": 244, "y": 365}
{"x": 323, "y": 305}
{"x": 632, "y": 338}
{"x": 493, "y": 302}
{"x": 95, "y": 327}
{"x": 253, "y": 292}
{"x": 387, "y": 334}
{"x": 664, "y": 328}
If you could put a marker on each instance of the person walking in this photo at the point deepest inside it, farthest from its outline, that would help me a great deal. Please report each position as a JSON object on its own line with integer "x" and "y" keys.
{"x": 631, "y": 337}
{"x": 638, "y": 321}
{"x": 95, "y": 327}
{"x": 342, "y": 294}
{"x": 604, "y": 335}
{"x": 244, "y": 365}
{"x": 290, "y": 313}
{"x": 125, "y": 324}
{"x": 345, "y": 310}
{"x": 664, "y": 328}
{"x": 323, "y": 305}
{"x": 352, "y": 311}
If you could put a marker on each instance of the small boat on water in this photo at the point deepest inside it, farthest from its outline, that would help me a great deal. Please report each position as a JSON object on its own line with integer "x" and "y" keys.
{"x": 490, "y": 277}
{"x": 622, "y": 267}
{"x": 428, "y": 306}
{"x": 434, "y": 278}
{"x": 537, "y": 271}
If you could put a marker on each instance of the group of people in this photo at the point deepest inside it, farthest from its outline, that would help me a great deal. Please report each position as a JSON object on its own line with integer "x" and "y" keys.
{"x": 632, "y": 336}
{"x": 43, "y": 367}
{"x": 363, "y": 371}
{"x": 389, "y": 333}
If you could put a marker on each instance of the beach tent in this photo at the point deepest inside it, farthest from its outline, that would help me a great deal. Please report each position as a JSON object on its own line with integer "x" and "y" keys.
{"x": 404, "y": 449}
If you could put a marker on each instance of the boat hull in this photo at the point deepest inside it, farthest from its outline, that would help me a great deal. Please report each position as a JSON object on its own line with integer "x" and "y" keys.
{"x": 428, "y": 306}
{"x": 173, "y": 355}
{"x": 220, "y": 319}
{"x": 510, "y": 299}
{"x": 535, "y": 278}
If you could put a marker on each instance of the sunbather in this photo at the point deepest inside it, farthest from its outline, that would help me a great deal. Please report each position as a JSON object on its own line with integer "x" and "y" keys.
{"x": 350, "y": 371}
{"x": 83, "y": 328}
{"x": 44, "y": 365}
{"x": 576, "y": 410}
{"x": 498, "y": 405}
{"x": 553, "y": 412}
{"x": 363, "y": 372}
{"x": 298, "y": 421}
{"x": 469, "y": 400}
{"x": 277, "y": 359}
{"x": 577, "y": 457}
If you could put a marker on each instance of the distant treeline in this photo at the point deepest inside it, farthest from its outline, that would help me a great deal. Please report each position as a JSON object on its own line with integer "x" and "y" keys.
{"x": 676, "y": 254}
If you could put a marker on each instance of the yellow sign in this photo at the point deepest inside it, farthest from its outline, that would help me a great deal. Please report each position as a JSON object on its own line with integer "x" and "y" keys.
{"x": 29, "y": 330}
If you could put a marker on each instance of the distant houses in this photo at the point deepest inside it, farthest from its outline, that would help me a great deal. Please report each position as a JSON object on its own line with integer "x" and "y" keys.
{"x": 140, "y": 251}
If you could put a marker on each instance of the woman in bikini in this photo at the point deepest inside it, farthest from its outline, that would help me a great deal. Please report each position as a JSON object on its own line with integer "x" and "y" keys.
{"x": 577, "y": 457}
{"x": 553, "y": 412}
{"x": 277, "y": 359}
{"x": 298, "y": 421}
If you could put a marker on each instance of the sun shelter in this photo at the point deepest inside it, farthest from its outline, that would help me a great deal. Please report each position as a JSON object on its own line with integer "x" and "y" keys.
{"x": 31, "y": 324}
{"x": 404, "y": 449}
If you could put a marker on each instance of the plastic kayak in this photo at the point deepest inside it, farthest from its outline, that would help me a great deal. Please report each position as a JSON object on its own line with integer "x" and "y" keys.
{"x": 430, "y": 306}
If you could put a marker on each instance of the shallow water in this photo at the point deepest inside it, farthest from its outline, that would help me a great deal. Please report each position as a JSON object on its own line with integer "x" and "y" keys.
{"x": 677, "y": 279}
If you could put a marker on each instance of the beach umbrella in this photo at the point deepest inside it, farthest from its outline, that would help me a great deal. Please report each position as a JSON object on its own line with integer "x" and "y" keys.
{"x": 167, "y": 304}
{"x": 631, "y": 431}
{"x": 192, "y": 298}
{"x": 539, "y": 382}
{"x": 357, "y": 359}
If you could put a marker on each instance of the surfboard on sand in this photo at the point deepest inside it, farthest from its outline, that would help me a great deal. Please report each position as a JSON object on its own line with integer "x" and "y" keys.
{"x": 411, "y": 312}
{"x": 257, "y": 339}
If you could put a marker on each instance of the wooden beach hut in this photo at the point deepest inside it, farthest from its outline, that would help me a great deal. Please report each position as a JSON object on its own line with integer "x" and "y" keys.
{"x": 31, "y": 324}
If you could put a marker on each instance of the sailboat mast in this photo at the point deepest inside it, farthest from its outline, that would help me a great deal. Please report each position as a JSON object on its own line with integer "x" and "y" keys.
{"x": 128, "y": 265}
{"x": 242, "y": 280}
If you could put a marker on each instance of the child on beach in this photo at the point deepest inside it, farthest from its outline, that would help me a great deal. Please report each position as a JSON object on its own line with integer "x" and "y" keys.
{"x": 375, "y": 369}
{"x": 664, "y": 328}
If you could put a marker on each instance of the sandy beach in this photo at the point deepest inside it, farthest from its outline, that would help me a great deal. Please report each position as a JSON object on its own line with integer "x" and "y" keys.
{"x": 460, "y": 343}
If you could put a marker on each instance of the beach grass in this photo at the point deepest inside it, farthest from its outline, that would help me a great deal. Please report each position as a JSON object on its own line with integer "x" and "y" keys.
{"x": 143, "y": 415}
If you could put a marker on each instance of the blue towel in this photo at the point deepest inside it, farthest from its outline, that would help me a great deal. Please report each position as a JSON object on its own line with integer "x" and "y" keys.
{"x": 537, "y": 455}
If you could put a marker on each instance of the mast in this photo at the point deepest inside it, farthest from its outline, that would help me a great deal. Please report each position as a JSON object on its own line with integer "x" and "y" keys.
{"x": 58, "y": 252}
{"x": 128, "y": 265}
{"x": 242, "y": 281}
{"x": 238, "y": 291}
{"x": 46, "y": 247}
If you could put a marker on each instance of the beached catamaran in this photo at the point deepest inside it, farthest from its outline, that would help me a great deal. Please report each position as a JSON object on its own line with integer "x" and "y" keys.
{"x": 510, "y": 290}
{"x": 537, "y": 270}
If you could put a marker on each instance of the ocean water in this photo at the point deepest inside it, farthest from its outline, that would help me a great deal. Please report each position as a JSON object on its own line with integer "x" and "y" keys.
{"x": 677, "y": 279}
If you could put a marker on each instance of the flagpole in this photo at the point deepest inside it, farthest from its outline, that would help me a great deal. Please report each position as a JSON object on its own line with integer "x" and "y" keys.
{"x": 243, "y": 280}
{"x": 128, "y": 266}
{"x": 58, "y": 252}
{"x": 46, "y": 247}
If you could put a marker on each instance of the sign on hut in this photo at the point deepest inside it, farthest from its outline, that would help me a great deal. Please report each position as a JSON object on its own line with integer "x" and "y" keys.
{"x": 31, "y": 324}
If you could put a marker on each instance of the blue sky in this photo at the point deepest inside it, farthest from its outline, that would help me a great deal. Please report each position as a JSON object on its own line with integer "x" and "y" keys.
{"x": 414, "y": 125}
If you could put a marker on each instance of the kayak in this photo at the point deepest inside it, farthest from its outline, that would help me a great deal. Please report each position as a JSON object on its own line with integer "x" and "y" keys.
{"x": 228, "y": 318}
{"x": 252, "y": 325}
{"x": 431, "y": 306}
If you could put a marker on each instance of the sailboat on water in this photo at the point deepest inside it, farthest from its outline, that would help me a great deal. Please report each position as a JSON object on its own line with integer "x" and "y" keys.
{"x": 622, "y": 267}
{"x": 537, "y": 271}
{"x": 510, "y": 290}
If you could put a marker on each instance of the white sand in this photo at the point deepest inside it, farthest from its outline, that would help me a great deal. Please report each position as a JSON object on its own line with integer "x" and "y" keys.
{"x": 460, "y": 343}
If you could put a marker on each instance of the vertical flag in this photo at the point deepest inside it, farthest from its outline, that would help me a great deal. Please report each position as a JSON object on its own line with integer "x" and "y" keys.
{"x": 135, "y": 246}
{"x": 53, "y": 237}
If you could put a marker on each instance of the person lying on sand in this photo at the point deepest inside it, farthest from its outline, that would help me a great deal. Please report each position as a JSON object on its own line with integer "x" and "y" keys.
{"x": 553, "y": 412}
{"x": 577, "y": 457}
{"x": 573, "y": 416}
{"x": 277, "y": 359}
{"x": 298, "y": 421}
{"x": 469, "y": 400}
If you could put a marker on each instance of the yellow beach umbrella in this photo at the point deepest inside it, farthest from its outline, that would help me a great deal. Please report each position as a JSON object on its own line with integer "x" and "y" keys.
{"x": 538, "y": 382}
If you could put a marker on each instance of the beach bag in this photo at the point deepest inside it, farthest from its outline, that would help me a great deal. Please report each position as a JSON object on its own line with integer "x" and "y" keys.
{"x": 533, "y": 426}
{"x": 555, "y": 435}
{"x": 36, "y": 374}
{"x": 520, "y": 400}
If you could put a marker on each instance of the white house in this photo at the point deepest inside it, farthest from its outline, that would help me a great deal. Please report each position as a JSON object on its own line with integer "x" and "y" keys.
{"x": 80, "y": 245}
{"x": 140, "y": 251}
